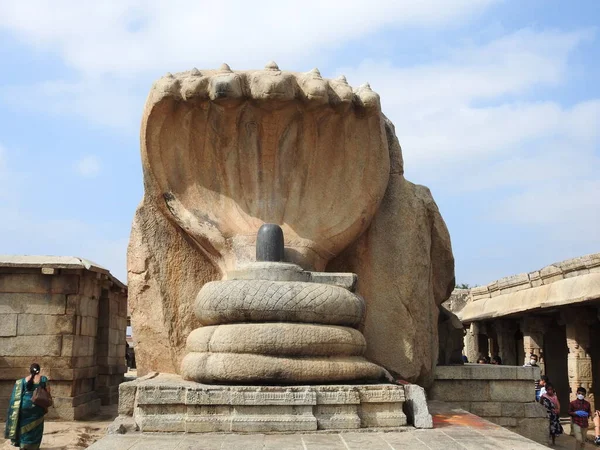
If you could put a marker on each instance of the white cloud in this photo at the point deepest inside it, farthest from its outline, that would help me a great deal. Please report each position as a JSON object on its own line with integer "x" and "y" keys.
{"x": 477, "y": 123}
{"x": 435, "y": 106}
{"x": 88, "y": 166}
{"x": 132, "y": 36}
{"x": 114, "y": 46}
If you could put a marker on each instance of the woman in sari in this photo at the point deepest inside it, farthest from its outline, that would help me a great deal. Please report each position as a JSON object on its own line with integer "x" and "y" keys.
{"x": 550, "y": 401}
{"x": 25, "y": 420}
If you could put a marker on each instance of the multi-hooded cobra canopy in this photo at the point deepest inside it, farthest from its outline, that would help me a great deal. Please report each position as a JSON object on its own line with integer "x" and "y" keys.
{"x": 229, "y": 151}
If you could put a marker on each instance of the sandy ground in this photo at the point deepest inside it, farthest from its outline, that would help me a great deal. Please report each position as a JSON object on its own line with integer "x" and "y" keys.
{"x": 63, "y": 435}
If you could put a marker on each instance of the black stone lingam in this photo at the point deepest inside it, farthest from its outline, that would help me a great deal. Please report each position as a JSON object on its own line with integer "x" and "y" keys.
{"x": 269, "y": 243}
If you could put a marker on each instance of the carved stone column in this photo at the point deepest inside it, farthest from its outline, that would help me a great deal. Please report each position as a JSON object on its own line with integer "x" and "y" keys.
{"x": 472, "y": 342}
{"x": 505, "y": 332}
{"x": 533, "y": 329}
{"x": 577, "y": 321}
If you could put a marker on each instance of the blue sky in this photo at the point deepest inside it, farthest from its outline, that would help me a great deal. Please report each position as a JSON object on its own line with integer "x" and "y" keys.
{"x": 496, "y": 105}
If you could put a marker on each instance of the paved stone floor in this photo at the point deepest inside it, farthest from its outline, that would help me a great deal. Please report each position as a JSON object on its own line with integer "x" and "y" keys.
{"x": 448, "y": 439}
{"x": 451, "y": 431}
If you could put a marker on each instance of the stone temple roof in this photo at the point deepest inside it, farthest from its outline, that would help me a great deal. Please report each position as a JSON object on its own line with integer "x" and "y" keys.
{"x": 56, "y": 262}
{"x": 575, "y": 280}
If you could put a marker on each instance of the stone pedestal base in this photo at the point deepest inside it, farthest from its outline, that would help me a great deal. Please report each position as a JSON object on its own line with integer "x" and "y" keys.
{"x": 167, "y": 403}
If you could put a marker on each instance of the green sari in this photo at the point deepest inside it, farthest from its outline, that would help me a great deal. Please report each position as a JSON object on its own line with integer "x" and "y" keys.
{"x": 25, "y": 420}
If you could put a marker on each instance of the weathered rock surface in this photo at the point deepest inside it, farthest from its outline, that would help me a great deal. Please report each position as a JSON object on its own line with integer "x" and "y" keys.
{"x": 311, "y": 352}
{"x": 451, "y": 338}
{"x": 233, "y": 301}
{"x": 405, "y": 269}
{"x": 294, "y": 339}
{"x": 246, "y": 368}
{"x": 225, "y": 152}
{"x": 165, "y": 271}
{"x": 319, "y": 159}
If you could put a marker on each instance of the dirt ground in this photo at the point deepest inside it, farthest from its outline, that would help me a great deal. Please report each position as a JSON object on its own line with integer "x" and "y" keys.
{"x": 567, "y": 442}
{"x": 63, "y": 435}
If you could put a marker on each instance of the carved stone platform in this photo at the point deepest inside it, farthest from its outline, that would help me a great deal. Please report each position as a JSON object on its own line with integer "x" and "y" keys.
{"x": 167, "y": 403}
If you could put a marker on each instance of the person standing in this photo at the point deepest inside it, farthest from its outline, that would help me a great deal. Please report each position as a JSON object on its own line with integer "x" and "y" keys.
{"x": 544, "y": 380}
{"x": 533, "y": 361}
{"x": 25, "y": 419}
{"x": 580, "y": 410}
{"x": 550, "y": 401}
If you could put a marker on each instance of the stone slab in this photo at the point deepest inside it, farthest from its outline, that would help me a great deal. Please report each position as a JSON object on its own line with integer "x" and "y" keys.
{"x": 167, "y": 403}
{"x": 42, "y": 324}
{"x": 39, "y": 284}
{"x": 416, "y": 408}
{"x": 455, "y": 429}
{"x": 487, "y": 409}
{"x": 31, "y": 346}
{"x": 8, "y": 325}
{"x": 27, "y": 303}
{"x": 511, "y": 391}
{"x": 486, "y": 372}
{"x": 485, "y": 383}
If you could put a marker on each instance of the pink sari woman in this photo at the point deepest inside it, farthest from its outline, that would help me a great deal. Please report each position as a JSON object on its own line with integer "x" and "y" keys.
{"x": 550, "y": 401}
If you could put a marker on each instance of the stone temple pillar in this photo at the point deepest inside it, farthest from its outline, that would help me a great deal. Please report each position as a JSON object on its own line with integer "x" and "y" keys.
{"x": 533, "y": 329}
{"x": 579, "y": 359}
{"x": 492, "y": 342}
{"x": 472, "y": 342}
{"x": 505, "y": 332}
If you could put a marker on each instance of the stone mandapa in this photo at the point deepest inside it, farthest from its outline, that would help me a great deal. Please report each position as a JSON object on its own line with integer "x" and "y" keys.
{"x": 310, "y": 154}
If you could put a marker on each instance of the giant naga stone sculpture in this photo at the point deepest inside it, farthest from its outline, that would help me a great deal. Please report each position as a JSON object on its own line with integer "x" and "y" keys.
{"x": 271, "y": 321}
{"x": 225, "y": 152}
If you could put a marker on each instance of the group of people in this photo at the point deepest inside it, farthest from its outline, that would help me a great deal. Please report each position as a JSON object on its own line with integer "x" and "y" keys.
{"x": 579, "y": 410}
{"x": 496, "y": 360}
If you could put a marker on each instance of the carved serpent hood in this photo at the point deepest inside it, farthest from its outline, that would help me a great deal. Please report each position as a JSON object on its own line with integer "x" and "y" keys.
{"x": 228, "y": 151}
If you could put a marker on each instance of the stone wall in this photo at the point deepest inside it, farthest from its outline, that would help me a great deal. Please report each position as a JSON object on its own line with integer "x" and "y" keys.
{"x": 69, "y": 319}
{"x": 110, "y": 355}
{"x": 457, "y": 301}
{"x": 552, "y": 273}
{"x": 160, "y": 402}
{"x": 504, "y": 395}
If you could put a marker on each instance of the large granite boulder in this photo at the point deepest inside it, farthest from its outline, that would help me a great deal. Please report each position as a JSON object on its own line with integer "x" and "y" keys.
{"x": 224, "y": 152}
{"x": 405, "y": 270}
{"x": 451, "y": 338}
